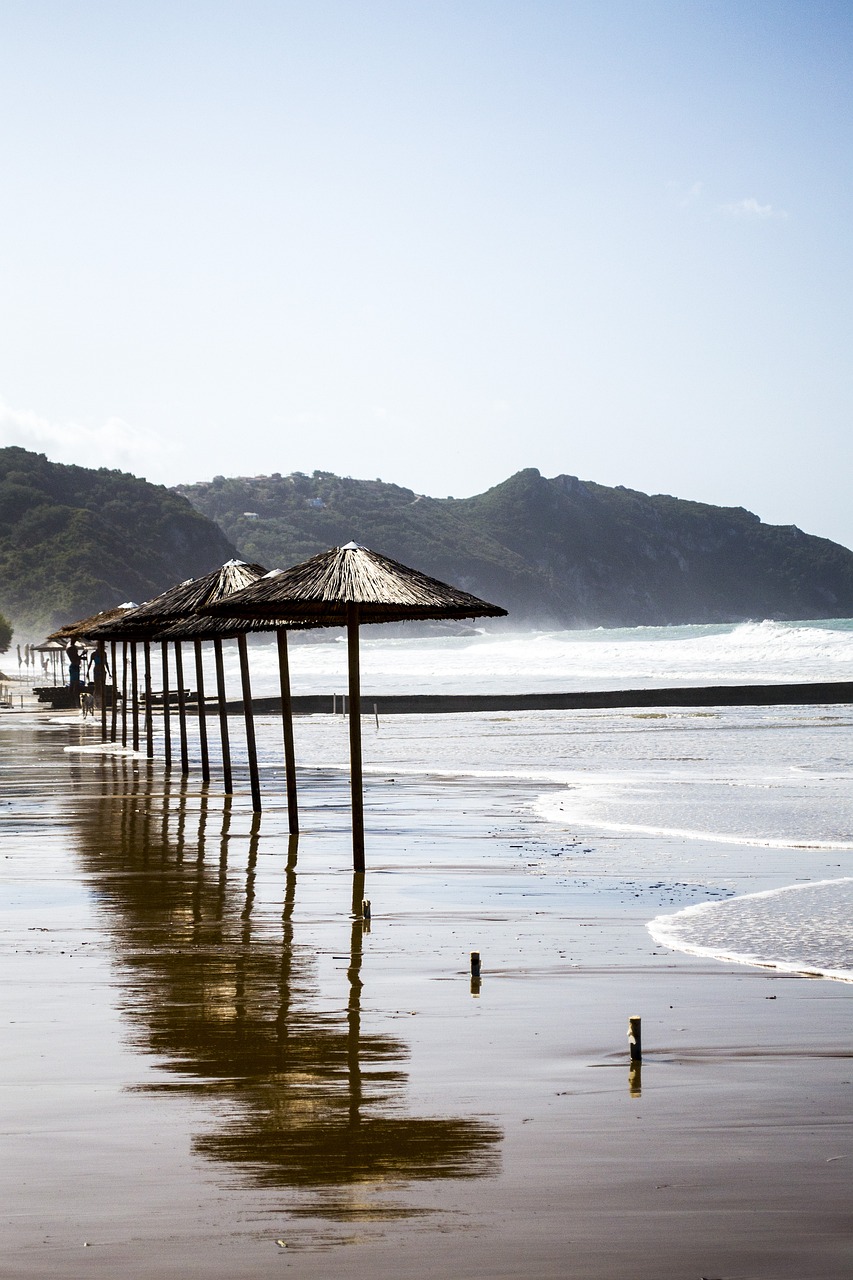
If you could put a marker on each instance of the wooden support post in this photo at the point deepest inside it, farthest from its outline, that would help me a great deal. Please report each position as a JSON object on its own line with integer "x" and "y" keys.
{"x": 124, "y": 693}
{"x": 182, "y": 707}
{"x": 101, "y": 687}
{"x": 223, "y": 717}
{"x": 287, "y": 731}
{"x": 202, "y": 712}
{"x": 355, "y": 739}
{"x": 149, "y": 710}
{"x": 248, "y": 714}
{"x": 134, "y": 696}
{"x": 635, "y": 1039}
{"x": 114, "y": 699}
{"x": 167, "y": 720}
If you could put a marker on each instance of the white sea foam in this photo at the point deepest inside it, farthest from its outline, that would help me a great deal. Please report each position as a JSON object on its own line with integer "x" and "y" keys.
{"x": 553, "y": 809}
{"x": 533, "y": 661}
{"x": 801, "y": 928}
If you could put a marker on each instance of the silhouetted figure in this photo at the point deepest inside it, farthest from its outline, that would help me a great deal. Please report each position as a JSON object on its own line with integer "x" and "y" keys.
{"x": 74, "y": 657}
{"x": 98, "y": 672}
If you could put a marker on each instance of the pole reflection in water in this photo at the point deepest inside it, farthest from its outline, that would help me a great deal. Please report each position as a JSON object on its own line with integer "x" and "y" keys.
{"x": 224, "y": 986}
{"x": 354, "y": 1003}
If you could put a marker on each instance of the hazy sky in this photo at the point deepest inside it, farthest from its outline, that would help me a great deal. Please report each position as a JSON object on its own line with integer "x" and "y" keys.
{"x": 435, "y": 242}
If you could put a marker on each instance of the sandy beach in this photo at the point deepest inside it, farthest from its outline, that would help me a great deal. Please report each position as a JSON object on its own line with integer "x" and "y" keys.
{"x": 213, "y": 1066}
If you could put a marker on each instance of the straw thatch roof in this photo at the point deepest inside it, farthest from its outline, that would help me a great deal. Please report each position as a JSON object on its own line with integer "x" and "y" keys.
{"x": 81, "y": 630}
{"x": 323, "y": 587}
{"x": 205, "y": 627}
{"x": 180, "y": 604}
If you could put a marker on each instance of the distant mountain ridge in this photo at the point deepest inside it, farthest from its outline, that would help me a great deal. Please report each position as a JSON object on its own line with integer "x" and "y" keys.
{"x": 554, "y": 552}
{"x": 559, "y": 551}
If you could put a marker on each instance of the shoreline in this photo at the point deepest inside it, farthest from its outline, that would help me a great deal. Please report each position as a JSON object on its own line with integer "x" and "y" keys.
{"x": 209, "y": 1052}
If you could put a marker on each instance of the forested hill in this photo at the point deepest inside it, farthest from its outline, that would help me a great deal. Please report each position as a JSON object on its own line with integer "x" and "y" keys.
{"x": 553, "y": 552}
{"x": 560, "y": 551}
{"x": 74, "y": 540}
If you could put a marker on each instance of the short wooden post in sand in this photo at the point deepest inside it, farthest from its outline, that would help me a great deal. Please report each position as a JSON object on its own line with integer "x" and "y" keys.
{"x": 475, "y": 974}
{"x": 635, "y": 1039}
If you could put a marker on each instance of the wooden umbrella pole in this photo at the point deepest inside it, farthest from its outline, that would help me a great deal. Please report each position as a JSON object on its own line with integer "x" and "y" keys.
{"x": 167, "y": 726}
{"x": 202, "y": 714}
{"x": 101, "y": 687}
{"x": 223, "y": 716}
{"x": 134, "y": 695}
{"x": 354, "y": 1076}
{"x": 287, "y": 731}
{"x": 124, "y": 693}
{"x": 149, "y": 715}
{"x": 114, "y": 699}
{"x": 182, "y": 707}
{"x": 248, "y": 713}
{"x": 355, "y": 739}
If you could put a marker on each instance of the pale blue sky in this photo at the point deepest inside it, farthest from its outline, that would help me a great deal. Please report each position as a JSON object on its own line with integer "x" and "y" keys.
{"x": 434, "y": 242}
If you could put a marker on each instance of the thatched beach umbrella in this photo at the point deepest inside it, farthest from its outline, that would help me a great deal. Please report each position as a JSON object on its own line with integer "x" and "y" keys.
{"x": 201, "y": 627}
{"x": 179, "y": 604}
{"x": 55, "y": 649}
{"x": 84, "y": 629}
{"x": 345, "y": 587}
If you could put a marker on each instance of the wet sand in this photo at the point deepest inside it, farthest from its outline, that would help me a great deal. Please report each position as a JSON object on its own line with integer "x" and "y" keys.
{"x": 213, "y": 1067}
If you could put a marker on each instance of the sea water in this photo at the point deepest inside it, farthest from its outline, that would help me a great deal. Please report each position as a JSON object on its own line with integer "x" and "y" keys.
{"x": 501, "y": 661}
{"x": 721, "y": 785}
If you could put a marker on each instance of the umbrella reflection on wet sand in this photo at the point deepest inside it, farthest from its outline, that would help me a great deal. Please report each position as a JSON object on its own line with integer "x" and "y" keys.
{"x": 231, "y": 1004}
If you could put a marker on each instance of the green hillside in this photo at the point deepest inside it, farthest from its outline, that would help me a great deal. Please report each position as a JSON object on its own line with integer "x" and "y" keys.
{"x": 559, "y": 551}
{"x": 553, "y": 552}
{"x": 74, "y": 540}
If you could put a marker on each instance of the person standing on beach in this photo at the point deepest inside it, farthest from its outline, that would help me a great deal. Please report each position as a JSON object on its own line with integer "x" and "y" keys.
{"x": 98, "y": 672}
{"x": 74, "y": 655}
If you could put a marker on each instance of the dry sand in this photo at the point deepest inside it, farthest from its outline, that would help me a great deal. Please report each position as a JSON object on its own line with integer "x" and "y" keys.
{"x": 212, "y": 1068}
